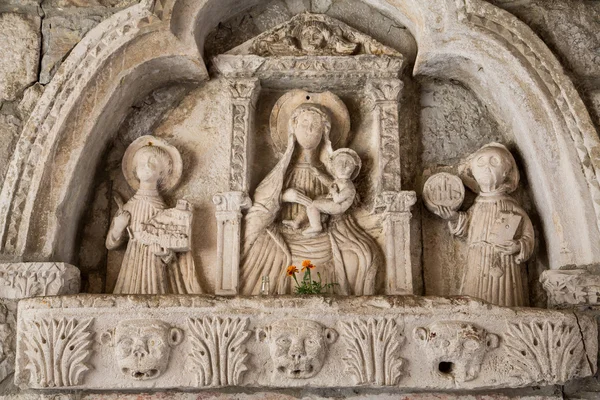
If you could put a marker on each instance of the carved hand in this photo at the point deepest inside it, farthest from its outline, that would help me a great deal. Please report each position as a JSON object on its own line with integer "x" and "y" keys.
{"x": 510, "y": 247}
{"x": 121, "y": 221}
{"x": 446, "y": 213}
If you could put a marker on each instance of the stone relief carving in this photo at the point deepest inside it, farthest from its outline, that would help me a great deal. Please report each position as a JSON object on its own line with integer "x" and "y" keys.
{"x": 305, "y": 127}
{"x": 443, "y": 190}
{"x": 56, "y": 352}
{"x": 19, "y": 280}
{"x": 158, "y": 258}
{"x": 143, "y": 347}
{"x": 498, "y": 230}
{"x": 218, "y": 356}
{"x": 7, "y": 354}
{"x": 456, "y": 350}
{"x": 298, "y": 347}
{"x": 571, "y": 287}
{"x": 547, "y": 350}
{"x": 316, "y": 35}
{"x": 373, "y": 347}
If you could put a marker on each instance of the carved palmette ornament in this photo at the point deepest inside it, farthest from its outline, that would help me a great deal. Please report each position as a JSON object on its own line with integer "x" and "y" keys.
{"x": 218, "y": 356}
{"x": 57, "y": 351}
{"x": 373, "y": 351}
{"x": 546, "y": 350}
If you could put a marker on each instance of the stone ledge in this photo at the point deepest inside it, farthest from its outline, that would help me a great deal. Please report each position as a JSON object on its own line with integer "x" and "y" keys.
{"x": 107, "y": 342}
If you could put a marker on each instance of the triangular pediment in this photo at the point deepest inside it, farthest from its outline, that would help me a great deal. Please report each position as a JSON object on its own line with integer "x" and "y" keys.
{"x": 312, "y": 35}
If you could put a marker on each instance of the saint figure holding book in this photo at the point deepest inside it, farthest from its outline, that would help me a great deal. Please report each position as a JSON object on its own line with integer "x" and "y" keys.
{"x": 158, "y": 258}
{"x": 498, "y": 230}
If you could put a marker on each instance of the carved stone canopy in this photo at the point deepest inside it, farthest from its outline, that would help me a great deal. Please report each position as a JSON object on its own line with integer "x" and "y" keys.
{"x": 314, "y": 52}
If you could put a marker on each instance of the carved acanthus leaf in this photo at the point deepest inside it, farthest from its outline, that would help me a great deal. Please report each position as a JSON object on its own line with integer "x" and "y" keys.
{"x": 373, "y": 348}
{"x": 218, "y": 356}
{"x": 57, "y": 351}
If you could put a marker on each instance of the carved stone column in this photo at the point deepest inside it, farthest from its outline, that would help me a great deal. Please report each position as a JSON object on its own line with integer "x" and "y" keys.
{"x": 392, "y": 203}
{"x": 244, "y": 93}
{"x": 229, "y": 217}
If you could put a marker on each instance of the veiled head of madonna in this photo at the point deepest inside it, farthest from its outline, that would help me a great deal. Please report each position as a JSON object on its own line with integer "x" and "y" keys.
{"x": 310, "y": 123}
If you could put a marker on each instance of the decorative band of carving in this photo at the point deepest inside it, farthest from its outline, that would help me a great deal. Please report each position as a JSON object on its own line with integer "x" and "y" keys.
{"x": 395, "y": 202}
{"x": 20, "y": 280}
{"x": 571, "y": 287}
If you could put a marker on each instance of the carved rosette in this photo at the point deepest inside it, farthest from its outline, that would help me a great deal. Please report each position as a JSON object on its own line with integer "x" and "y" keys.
{"x": 55, "y": 352}
{"x": 218, "y": 356}
{"x": 373, "y": 351}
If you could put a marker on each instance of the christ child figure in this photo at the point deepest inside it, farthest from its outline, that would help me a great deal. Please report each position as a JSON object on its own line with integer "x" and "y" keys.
{"x": 344, "y": 165}
{"x": 499, "y": 232}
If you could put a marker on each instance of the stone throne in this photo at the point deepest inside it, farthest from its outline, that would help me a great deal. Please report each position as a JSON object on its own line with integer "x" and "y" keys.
{"x": 281, "y": 59}
{"x": 82, "y": 342}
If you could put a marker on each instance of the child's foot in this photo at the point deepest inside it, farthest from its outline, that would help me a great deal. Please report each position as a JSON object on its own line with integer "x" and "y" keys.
{"x": 291, "y": 223}
{"x": 312, "y": 231}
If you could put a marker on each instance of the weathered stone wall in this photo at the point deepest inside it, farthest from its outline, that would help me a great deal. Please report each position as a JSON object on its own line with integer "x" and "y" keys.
{"x": 37, "y": 35}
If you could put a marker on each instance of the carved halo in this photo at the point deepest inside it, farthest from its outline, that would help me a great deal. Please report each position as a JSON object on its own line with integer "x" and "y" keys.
{"x": 285, "y": 106}
{"x": 171, "y": 180}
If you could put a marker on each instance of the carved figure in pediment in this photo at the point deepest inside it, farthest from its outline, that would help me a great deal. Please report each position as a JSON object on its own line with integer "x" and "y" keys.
{"x": 305, "y": 127}
{"x": 143, "y": 347}
{"x": 298, "y": 347}
{"x": 158, "y": 258}
{"x": 498, "y": 230}
{"x": 456, "y": 350}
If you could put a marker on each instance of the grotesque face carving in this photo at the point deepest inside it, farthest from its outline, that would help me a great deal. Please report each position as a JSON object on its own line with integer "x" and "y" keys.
{"x": 298, "y": 347}
{"x": 455, "y": 349}
{"x": 142, "y": 347}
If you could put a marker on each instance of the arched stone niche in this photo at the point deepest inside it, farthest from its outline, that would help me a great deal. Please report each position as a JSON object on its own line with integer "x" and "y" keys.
{"x": 45, "y": 189}
{"x": 159, "y": 46}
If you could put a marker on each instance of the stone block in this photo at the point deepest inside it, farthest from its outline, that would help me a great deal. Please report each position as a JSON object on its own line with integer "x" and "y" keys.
{"x": 20, "y": 49}
{"x": 108, "y": 342}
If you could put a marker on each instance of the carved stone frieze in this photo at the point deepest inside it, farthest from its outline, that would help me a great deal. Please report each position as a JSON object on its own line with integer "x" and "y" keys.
{"x": 20, "y": 280}
{"x": 373, "y": 347}
{"x": 316, "y": 34}
{"x": 295, "y": 343}
{"x": 54, "y": 352}
{"x": 571, "y": 287}
{"x": 218, "y": 355}
{"x": 7, "y": 339}
{"x": 456, "y": 350}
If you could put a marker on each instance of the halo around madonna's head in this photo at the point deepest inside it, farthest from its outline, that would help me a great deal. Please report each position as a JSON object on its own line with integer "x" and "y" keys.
{"x": 285, "y": 106}
{"x": 170, "y": 179}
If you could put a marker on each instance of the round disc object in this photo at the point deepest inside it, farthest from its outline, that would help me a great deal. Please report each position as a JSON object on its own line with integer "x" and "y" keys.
{"x": 443, "y": 189}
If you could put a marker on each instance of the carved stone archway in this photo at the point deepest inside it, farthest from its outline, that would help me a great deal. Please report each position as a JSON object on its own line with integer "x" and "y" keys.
{"x": 155, "y": 43}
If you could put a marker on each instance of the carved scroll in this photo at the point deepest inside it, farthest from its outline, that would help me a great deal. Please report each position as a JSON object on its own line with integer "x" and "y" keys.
{"x": 546, "y": 351}
{"x": 373, "y": 351}
{"x": 56, "y": 351}
{"x": 218, "y": 353}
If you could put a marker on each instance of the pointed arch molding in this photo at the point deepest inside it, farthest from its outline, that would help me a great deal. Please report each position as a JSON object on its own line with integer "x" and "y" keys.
{"x": 158, "y": 42}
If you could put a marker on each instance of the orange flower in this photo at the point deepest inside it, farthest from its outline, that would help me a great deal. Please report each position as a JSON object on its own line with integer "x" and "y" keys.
{"x": 307, "y": 264}
{"x": 291, "y": 270}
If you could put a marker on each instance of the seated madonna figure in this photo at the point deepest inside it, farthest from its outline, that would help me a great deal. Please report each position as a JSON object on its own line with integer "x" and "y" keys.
{"x": 273, "y": 235}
